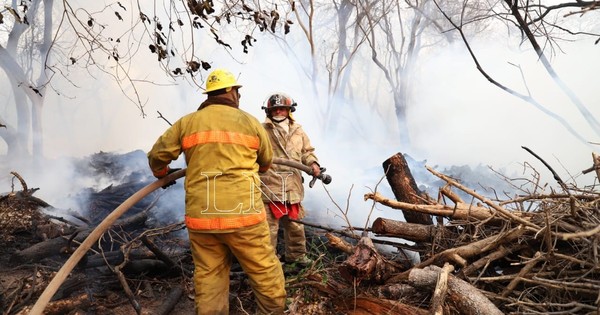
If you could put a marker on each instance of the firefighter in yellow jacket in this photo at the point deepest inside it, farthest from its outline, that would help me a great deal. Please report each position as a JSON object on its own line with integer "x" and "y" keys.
{"x": 224, "y": 150}
{"x": 282, "y": 186}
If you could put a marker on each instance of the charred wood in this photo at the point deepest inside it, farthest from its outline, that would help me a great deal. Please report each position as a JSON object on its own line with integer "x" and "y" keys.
{"x": 369, "y": 305}
{"x": 405, "y": 188}
{"x": 41, "y": 250}
{"x": 145, "y": 266}
{"x": 170, "y": 301}
{"x": 62, "y": 245}
{"x": 112, "y": 258}
{"x": 159, "y": 253}
{"x": 64, "y": 306}
{"x": 368, "y": 266}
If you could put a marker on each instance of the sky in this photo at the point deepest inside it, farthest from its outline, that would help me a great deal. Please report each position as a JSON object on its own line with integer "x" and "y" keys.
{"x": 458, "y": 118}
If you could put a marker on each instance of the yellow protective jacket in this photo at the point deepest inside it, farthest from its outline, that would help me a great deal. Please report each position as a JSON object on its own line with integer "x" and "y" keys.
{"x": 224, "y": 148}
{"x": 283, "y": 183}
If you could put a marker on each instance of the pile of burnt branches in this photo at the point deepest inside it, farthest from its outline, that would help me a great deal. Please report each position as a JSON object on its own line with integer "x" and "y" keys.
{"x": 533, "y": 253}
{"x": 132, "y": 261}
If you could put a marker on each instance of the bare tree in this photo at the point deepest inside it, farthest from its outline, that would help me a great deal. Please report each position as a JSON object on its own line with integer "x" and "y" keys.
{"x": 22, "y": 58}
{"x": 535, "y": 22}
{"x": 391, "y": 35}
{"x": 92, "y": 37}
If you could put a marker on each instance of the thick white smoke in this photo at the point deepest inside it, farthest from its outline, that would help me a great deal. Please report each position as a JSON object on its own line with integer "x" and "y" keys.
{"x": 456, "y": 118}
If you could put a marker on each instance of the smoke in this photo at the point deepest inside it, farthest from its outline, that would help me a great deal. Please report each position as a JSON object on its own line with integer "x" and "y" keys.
{"x": 456, "y": 118}
{"x": 460, "y": 117}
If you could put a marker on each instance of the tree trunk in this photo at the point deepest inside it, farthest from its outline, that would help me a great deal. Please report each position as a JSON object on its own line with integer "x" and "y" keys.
{"x": 404, "y": 187}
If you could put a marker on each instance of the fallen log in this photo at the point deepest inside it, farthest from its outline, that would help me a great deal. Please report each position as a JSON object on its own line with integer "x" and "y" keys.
{"x": 145, "y": 266}
{"x": 461, "y": 254}
{"x": 408, "y": 231}
{"x": 463, "y": 296}
{"x": 46, "y": 248}
{"x": 64, "y": 245}
{"x": 405, "y": 188}
{"x": 111, "y": 258}
{"x": 159, "y": 253}
{"x": 396, "y": 291}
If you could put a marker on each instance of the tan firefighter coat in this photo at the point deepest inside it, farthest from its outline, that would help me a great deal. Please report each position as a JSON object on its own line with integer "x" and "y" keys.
{"x": 283, "y": 183}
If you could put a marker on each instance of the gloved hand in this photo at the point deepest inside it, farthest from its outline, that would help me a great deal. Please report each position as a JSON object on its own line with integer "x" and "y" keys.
{"x": 316, "y": 169}
{"x": 171, "y": 183}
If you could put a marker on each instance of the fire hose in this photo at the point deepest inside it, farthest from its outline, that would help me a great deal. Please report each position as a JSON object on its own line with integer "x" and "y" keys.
{"x": 66, "y": 269}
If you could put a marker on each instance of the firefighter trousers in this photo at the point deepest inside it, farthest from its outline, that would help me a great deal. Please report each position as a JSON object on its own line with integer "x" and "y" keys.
{"x": 212, "y": 254}
{"x": 294, "y": 237}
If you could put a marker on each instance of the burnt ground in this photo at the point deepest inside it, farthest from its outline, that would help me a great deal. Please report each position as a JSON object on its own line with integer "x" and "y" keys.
{"x": 144, "y": 259}
{"x": 93, "y": 287}
{"x": 98, "y": 290}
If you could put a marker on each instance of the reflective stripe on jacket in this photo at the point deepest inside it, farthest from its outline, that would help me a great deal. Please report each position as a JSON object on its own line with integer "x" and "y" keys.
{"x": 224, "y": 148}
{"x": 294, "y": 145}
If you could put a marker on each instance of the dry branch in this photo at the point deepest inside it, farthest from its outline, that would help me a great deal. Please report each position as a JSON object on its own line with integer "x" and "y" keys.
{"x": 504, "y": 212}
{"x": 441, "y": 288}
{"x": 339, "y": 243}
{"x": 466, "y": 298}
{"x": 458, "y": 212}
{"x": 596, "y": 159}
{"x": 499, "y": 253}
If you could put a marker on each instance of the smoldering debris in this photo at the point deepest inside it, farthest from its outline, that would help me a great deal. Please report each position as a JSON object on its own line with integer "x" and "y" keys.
{"x": 529, "y": 250}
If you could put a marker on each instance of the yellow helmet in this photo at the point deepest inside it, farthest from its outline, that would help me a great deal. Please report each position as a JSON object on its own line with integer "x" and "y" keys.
{"x": 220, "y": 79}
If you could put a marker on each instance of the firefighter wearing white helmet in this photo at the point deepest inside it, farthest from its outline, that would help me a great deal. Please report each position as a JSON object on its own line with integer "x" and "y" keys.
{"x": 224, "y": 147}
{"x": 282, "y": 186}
